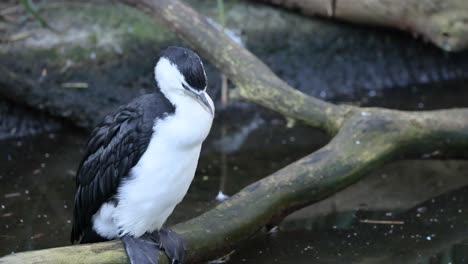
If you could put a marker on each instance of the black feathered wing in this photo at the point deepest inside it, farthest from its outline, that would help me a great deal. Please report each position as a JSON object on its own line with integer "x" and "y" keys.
{"x": 112, "y": 151}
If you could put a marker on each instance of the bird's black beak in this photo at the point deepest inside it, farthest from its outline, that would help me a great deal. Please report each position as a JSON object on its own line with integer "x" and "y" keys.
{"x": 204, "y": 100}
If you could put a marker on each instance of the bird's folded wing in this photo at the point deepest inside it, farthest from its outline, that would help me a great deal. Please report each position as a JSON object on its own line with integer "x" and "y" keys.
{"x": 114, "y": 148}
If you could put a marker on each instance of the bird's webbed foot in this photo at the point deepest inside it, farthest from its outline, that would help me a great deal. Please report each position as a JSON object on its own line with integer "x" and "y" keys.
{"x": 172, "y": 244}
{"x": 141, "y": 250}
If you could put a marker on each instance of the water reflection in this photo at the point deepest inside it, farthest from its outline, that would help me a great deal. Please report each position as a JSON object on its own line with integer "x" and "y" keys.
{"x": 435, "y": 231}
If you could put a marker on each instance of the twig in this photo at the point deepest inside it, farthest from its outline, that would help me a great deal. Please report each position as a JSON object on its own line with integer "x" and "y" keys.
{"x": 382, "y": 222}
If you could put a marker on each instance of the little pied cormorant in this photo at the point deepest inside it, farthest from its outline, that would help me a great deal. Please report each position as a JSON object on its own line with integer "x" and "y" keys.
{"x": 140, "y": 161}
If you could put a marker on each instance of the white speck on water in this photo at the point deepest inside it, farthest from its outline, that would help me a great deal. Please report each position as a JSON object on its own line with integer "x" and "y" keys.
{"x": 421, "y": 209}
{"x": 428, "y": 238}
{"x": 48, "y": 222}
{"x": 2, "y": 206}
{"x": 420, "y": 105}
{"x": 44, "y": 215}
{"x": 21, "y": 220}
{"x": 65, "y": 206}
{"x": 68, "y": 221}
{"x": 460, "y": 211}
{"x": 323, "y": 94}
{"x": 221, "y": 196}
{"x": 47, "y": 155}
{"x": 358, "y": 142}
{"x": 308, "y": 248}
{"x": 372, "y": 93}
{"x": 26, "y": 191}
{"x": 364, "y": 113}
{"x": 92, "y": 56}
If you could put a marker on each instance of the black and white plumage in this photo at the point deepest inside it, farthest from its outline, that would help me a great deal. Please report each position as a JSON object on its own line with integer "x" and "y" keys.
{"x": 113, "y": 149}
{"x": 140, "y": 161}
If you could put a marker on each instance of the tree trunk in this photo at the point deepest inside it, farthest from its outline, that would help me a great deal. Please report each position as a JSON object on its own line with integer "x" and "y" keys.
{"x": 444, "y": 22}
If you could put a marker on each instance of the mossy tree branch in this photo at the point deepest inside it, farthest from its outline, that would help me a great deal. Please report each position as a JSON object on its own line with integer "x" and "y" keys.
{"x": 364, "y": 138}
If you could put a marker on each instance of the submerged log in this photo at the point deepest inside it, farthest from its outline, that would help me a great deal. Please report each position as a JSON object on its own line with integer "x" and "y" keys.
{"x": 443, "y": 22}
{"x": 363, "y": 139}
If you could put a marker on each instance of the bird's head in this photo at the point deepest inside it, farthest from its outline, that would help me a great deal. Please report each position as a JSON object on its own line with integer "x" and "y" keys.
{"x": 180, "y": 72}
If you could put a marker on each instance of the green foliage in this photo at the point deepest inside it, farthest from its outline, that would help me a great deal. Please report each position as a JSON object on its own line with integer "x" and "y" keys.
{"x": 221, "y": 13}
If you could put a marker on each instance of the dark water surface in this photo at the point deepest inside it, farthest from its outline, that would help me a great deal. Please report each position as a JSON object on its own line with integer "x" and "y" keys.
{"x": 406, "y": 212}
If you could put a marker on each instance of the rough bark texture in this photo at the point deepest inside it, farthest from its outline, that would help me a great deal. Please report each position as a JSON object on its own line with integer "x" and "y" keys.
{"x": 444, "y": 22}
{"x": 364, "y": 138}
